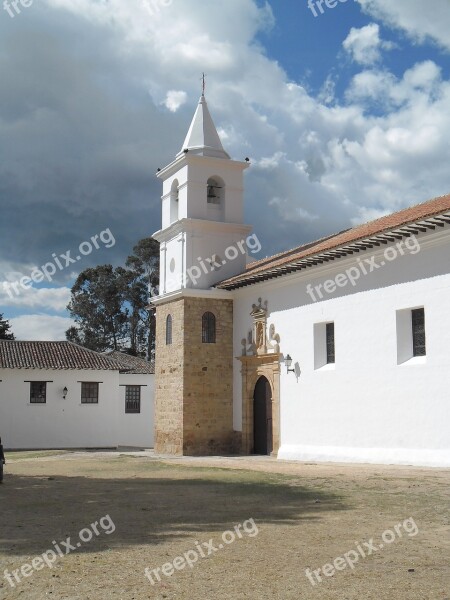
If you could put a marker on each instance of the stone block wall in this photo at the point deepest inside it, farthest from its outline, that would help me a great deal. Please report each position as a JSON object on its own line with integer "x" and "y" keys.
{"x": 169, "y": 363}
{"x": 194, "y": 380}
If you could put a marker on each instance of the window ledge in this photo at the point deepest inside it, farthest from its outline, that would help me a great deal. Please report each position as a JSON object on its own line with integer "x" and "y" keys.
{"x": 327, "y": 367}
{"x": 415, "y": 360}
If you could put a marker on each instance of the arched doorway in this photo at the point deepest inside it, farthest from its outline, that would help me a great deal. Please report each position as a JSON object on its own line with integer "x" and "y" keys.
{"x": 262, "y": 417}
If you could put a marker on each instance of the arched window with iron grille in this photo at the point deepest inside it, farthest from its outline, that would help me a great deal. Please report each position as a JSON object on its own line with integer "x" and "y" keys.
{"x": 168, "y": 330}
{"x": 208, "y": 328}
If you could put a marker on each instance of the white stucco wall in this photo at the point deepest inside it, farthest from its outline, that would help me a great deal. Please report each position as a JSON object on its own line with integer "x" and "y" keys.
{"x": 60, "y": 423}
{"x": 187, "y": 247}
{"x": 367, "y": 407}
{"x": 66, "y": 423}
{"x": 137, "y": 429}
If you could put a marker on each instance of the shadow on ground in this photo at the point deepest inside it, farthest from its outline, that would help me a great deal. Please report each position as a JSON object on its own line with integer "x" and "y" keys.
{"x": 148, "y": 510}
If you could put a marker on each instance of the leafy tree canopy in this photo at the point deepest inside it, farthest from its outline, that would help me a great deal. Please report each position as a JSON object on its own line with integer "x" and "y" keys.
{"x": 110, "y": 305}
{"x": 5, "y": 329}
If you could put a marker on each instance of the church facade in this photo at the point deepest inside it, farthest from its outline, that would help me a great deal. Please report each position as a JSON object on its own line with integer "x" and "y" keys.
{"x": 337, "y": 350}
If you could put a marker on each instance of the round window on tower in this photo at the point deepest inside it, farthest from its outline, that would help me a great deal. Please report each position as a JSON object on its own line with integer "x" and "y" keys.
{"x": 172, "y": 265}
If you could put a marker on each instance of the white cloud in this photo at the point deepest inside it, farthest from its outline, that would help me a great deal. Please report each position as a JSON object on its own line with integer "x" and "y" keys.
{"x": 365, "y": 44}
{"x": 55, "y": 299}
{"x": 298, "y": 214}
{"x": 40, "y": 327}
{"x": 327, "y": 92}
{"x": 174, "y": 100}
{"x": 419, "y": 19}
{"x": 336, "y": 160}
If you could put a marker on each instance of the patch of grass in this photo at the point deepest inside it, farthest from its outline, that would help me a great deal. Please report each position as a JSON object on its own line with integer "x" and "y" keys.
{"x": 30, "y": 454}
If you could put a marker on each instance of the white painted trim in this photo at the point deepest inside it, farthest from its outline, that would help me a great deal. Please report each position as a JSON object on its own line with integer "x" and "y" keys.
{"x": 191, "y": 293}
{"x": 188, "y": 225}
{"x": 185, "y": 159}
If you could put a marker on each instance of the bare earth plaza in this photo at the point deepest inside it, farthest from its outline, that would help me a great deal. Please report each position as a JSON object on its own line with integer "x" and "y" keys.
{"x": 306, "y": 516}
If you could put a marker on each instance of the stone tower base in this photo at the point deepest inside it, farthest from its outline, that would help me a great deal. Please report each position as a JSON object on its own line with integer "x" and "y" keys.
{"x": 194, "y": 380}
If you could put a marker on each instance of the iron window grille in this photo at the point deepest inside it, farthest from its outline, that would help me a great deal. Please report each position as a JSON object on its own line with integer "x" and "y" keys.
{"x": 208, "y": 328}
{"x": 133, "y": 399}
{"x": 38, "y": 392}
{"x": 331, "y": 358}
{"x": 169, "y": 330}
{"x": 89, "y": 393}
{"x": 418, "y": 332}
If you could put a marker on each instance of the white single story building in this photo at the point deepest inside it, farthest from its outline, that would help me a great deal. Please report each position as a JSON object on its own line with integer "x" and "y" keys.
{"x": 60, "y": 395}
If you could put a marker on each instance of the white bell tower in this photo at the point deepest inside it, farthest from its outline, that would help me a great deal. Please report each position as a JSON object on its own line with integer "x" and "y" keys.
{"x": 202, "y": 237}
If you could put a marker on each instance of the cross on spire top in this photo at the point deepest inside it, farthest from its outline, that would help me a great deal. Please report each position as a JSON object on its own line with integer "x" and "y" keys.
{"x": 203, "y": 84}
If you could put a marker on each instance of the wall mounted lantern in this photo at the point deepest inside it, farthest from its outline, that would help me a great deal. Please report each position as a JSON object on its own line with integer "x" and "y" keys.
{"x": 65, "y": 392}
{"x": 288, "y": 361}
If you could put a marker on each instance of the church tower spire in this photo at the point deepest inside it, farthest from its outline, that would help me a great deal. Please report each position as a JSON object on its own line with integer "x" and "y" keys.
{"x": 202, "y": 210}
{"x": 202, "y": 241}
{"x": 202, "y": 138}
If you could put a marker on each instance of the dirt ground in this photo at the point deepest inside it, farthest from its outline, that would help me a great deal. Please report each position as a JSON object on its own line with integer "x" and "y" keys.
{"x": 304, "y": 517}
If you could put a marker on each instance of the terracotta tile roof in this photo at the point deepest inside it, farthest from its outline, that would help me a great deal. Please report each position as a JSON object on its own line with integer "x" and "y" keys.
{"x": 133, "y": 364}
{"x": 285, "y": 262}
{"x": 52, "y": 355}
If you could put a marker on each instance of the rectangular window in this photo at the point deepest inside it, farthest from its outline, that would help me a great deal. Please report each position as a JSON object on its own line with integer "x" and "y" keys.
{"x": 133, "y": 399}
{"x": 89, "y": 393}
{"x": 169, "y": 330}
{"x": 330, "y": 343}
{"x": 208, "y": 328}
{"x": 38, "y": 392}
{"x": 418, "y": 332}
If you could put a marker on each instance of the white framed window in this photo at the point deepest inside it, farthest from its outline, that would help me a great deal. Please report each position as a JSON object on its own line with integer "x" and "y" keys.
{"x": 132, "y": 399}
{"x": 324, "y": 345}
{"x": 89, "y": 392}
{"x": 411, "y": 336}
{"x": 38, "y": 392}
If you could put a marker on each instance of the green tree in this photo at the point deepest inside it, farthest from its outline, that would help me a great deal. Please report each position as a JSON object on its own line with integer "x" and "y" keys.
{"x": 5, "y": 329}
{"x": 97, "y": 306}
{"x": 142, "y": 283}
{"x": 110, "y": 306}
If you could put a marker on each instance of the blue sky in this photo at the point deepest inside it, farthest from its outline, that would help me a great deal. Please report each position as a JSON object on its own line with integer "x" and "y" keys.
{"x": 344, "y": 115}
{"x": 310, "y": 48}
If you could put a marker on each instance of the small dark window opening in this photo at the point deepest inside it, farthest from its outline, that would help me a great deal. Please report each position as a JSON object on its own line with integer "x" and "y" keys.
{"x": 214, "y": 192}
{"x": 330, "y": 344}
{"x": 89, "y": 393}
{"x": 133, "y": 399}
{"x": 418, "y": 332}
{"x": 168, "y": 330}
{"x": 209, "y": 328}
{"x": 38, "y": 392}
